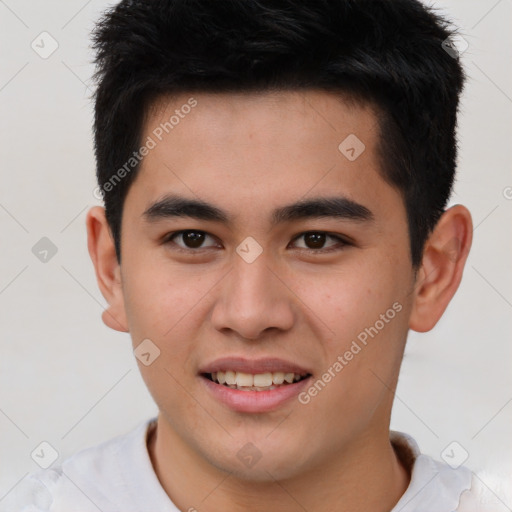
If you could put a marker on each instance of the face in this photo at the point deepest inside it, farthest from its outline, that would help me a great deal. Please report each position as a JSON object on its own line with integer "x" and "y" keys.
{"x": 322, "y": 291}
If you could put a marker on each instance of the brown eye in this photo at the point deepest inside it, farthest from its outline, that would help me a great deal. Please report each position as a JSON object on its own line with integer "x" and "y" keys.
{"x": 190, "y": 239}
{"x": 193, "y": 239}
{"x": 315, "y": 240}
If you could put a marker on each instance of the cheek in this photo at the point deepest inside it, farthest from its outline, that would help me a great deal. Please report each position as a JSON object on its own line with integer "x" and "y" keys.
{"x": 169, "y": 305}
{"x": 158, "y": 297}
{"x": 361, "y": 363}
{"x": 368, "y": 311}
{"x": 163, "y": 306}
{"x": 346, "y": 301}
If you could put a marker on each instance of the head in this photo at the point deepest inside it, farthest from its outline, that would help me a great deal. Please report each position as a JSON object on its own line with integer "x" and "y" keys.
{"x": 310, "y": 151}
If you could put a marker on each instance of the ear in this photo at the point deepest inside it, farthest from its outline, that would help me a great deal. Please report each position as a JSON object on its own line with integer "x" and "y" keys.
{"x": 108, "y": 271}
{"x": 441, "y": 269}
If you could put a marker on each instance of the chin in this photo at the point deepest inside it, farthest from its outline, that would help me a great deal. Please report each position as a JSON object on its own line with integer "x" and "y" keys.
{"x": 260, "y": 472}
{"x": 265, "y": 464}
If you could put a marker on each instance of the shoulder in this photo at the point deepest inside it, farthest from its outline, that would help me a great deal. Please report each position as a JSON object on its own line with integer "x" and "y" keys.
{"x": 434, "y": 485}
{"x": 488, "y": 493}
{"x": 31, "y": 494}
{"x": 442, "y": 487}
{"x": 86, "y": 481}
{"x": 43, "y": 491}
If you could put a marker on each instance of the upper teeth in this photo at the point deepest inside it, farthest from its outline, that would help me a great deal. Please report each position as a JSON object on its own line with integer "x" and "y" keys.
{"x": 259, "y": 380}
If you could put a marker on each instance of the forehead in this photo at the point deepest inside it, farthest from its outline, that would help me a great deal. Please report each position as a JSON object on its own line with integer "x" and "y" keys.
{"x": 254, "y": 149}
{"x": 238, "y": 118}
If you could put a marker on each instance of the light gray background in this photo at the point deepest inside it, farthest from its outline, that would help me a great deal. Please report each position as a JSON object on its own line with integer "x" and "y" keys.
{"x": 69, "y": 380}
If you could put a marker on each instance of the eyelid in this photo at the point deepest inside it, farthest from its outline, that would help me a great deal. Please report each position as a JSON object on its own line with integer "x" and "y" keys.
{"x": 169, "y": 239}
{"x": 343, "y": 241}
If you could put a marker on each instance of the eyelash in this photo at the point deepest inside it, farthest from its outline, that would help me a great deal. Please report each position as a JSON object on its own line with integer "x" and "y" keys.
{"x": 342, "y": 242}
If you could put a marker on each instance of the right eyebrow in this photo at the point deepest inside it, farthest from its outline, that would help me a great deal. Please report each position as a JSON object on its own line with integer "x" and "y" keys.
{"x": 338, "y": 207}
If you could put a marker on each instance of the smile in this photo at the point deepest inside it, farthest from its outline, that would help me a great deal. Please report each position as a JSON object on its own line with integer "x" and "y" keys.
{"x": 252, "y": 393}
{"x": 255, "y": 382}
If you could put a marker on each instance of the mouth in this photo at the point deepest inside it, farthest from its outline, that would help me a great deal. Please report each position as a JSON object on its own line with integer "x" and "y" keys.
{"x": 267, "y": 381}
{"x": 253, "y": 385}
{"x": 254, "y": 393}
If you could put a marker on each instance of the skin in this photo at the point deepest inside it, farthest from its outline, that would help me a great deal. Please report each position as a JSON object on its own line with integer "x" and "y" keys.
{"x": 248, "y": 154}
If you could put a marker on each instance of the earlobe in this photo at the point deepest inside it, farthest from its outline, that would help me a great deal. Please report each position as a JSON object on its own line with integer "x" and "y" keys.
{"x": 444, "y": 257}
{"x": 108, "y": 272}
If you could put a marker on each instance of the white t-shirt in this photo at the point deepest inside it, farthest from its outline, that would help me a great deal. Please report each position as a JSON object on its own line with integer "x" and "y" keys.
{"x": 117, "y": 476}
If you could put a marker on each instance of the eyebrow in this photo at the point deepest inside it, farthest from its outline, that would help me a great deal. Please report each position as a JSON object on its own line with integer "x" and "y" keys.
{"x": 338, "y": 207}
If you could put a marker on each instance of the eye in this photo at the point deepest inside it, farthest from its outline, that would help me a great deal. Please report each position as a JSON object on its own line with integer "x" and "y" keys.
{"x": 314, "y": 240}
{"x": 192, "y": 239}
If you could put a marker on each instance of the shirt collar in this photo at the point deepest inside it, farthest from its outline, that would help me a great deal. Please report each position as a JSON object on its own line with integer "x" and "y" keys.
{"x": 434, "y": 485}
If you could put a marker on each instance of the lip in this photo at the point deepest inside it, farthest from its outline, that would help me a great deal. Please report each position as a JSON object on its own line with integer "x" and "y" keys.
{"x": 254, "y": 401}
{"x": 263, "y": 365}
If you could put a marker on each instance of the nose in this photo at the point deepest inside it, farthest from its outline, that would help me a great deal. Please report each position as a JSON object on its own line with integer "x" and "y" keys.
{"x": 253, "y": 299}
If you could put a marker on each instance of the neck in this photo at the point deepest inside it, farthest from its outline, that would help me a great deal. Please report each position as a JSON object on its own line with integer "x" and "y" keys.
{"x": 367, "y": 476}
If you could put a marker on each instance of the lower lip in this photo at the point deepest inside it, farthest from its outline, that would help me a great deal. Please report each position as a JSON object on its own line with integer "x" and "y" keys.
{"x": 254, "y": 401}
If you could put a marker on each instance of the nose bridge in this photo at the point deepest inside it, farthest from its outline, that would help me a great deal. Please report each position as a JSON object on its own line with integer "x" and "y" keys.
{"x": 252, "y": 299}
{"x": 251, "y": 279}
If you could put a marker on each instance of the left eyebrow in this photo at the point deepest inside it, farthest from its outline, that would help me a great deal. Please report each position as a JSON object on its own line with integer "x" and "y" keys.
{"x": 330, "y": 207}
{"x": 338, "y": 207}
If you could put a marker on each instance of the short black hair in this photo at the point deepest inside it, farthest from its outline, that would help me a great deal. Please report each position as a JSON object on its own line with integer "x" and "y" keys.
{"x": 387, "y": 53}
